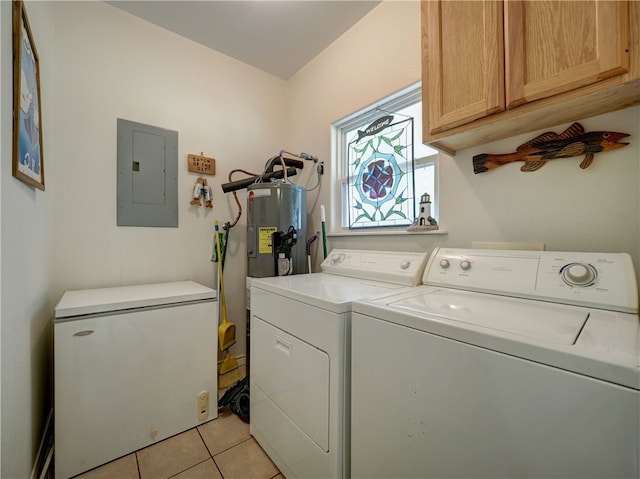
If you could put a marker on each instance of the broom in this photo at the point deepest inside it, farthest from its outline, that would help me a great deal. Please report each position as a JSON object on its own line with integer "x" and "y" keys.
{"x": 228, "y": 373}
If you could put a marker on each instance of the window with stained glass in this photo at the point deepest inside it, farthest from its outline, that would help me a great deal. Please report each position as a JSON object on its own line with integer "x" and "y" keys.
{"x": 380, "y": 162}
{"x": 381, "y": 172}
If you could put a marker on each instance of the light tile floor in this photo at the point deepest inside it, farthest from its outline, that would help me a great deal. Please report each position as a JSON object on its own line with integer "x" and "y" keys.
{"x": 219, "y": 449}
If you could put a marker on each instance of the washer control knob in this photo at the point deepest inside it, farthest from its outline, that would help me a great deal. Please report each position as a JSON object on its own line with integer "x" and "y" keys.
{"x": 405, "y": 264}
{"x": 465, "y": 265}
{"x": 579, "y": 274}
{"x": 444, "y": 263}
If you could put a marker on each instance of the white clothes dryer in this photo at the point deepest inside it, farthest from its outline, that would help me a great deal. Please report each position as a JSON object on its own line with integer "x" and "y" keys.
{"x": 299, "y": 374}
{"x": 506, "y": 364}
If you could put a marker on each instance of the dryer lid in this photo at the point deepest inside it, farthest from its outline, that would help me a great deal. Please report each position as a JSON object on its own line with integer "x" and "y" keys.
{"x": 331, "y": 292}
{"x": 543, "y": 321}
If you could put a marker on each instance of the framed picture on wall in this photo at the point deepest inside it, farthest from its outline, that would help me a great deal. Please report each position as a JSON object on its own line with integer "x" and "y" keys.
{"x": 28, "y": 163}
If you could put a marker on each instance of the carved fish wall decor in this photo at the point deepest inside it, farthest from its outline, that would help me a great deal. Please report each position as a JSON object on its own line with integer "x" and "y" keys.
{"x": 548, "y": 146}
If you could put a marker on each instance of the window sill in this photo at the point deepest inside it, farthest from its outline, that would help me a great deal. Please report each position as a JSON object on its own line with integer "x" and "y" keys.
{"x": 394, "y": 232}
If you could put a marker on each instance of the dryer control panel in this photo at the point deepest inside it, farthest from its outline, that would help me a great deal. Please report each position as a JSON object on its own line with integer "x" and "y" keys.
{"x": 601, "y": 280}
{"x": 404, "y": 268}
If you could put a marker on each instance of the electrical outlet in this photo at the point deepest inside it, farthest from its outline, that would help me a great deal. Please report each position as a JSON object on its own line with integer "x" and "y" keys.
{"x": 203, "y": 405}
{"x": 321, "y": 168}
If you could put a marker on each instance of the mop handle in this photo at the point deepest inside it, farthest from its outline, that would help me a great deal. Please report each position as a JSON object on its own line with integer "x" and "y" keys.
{"x": 309, "y": 241}
{"x": 324, "y": 231}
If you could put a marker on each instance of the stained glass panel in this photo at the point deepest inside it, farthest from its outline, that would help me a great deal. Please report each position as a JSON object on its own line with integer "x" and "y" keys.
{"x": 380, "y": 169}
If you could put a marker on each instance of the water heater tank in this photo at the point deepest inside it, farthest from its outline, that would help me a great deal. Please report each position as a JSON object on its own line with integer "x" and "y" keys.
{"x": 275, "y": 208}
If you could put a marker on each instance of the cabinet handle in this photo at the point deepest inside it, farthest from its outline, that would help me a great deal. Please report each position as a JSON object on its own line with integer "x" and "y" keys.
{"x": 86, "y": 332}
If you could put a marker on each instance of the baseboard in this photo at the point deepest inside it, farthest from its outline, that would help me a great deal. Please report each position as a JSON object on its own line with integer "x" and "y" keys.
{"x": 45, "y": 451}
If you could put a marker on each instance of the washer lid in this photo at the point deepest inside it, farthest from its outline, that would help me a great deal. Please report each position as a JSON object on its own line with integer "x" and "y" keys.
{"x": 537, "y": 320}
{"x": 592, "y": 342}
{"x": 106, "y": 300}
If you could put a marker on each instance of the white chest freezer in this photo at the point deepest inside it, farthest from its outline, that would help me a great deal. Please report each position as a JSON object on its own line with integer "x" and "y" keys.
{"x": 132, "y": 366}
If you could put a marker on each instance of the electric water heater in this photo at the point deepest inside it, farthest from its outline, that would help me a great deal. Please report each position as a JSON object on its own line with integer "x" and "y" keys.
{"x": 276, "y": 229}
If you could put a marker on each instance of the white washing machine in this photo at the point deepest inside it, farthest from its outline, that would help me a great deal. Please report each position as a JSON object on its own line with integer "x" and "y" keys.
{"x": 506, "y": 364}
{"x": 300, "y": 332}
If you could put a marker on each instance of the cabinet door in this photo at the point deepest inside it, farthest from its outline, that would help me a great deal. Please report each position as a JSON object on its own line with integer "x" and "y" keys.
{"x": 463, "y": 62}
{"x": 553, "y": 47}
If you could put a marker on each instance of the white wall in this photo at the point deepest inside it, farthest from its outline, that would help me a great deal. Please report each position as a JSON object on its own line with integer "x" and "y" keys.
{"x": 4, "y": 152}
{"x": 110, "y": 65}
{"x": 27, "y": 225}
{"x": 376, "y": 57}
{"x": 560, "y": 205}
{"x": 99, "y": 64}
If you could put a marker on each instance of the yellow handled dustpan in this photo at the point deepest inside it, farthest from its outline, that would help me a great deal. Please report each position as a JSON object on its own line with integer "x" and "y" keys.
{"x": 226, "y": 330}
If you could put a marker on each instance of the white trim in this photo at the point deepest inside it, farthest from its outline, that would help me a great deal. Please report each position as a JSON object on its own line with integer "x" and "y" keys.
{"x": 395, "y": 101}
{"x": 390, "y": 232}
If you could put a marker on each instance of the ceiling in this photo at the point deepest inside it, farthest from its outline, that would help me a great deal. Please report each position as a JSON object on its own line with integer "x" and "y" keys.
{"x": 276, "y": 36}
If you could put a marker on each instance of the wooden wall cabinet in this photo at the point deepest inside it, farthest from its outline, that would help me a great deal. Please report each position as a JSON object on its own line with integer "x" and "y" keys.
{"x": 495, "y": 69}
{"x": 465, "y": 64}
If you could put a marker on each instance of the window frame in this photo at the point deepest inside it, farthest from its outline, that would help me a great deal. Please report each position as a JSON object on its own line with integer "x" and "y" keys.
{"x": 421, "y": 162}
{"x": 340, "y": 176}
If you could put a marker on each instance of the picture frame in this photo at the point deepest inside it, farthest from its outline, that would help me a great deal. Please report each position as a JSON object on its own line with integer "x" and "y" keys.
{"x": 28, "y": 161}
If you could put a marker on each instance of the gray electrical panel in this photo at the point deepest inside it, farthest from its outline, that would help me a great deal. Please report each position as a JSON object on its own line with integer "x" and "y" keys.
{"x": 147, "y": 175}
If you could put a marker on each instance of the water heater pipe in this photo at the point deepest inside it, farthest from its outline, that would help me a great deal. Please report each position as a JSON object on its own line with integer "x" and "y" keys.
{"x": 240, "y": 184}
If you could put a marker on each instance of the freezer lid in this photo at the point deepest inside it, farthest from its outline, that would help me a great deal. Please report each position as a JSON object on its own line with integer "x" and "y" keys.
{"x": 105, "y": 300}
{"x": 542, "y": 321}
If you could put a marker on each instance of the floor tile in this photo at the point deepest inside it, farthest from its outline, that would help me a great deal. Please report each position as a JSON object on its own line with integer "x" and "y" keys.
{"x": 224, "y": 432}
{"x": 245, "y": 461}
{"x": 204, "y": 470}
{"x": 124, "y": 468}
{"x": 171, "y": 456}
